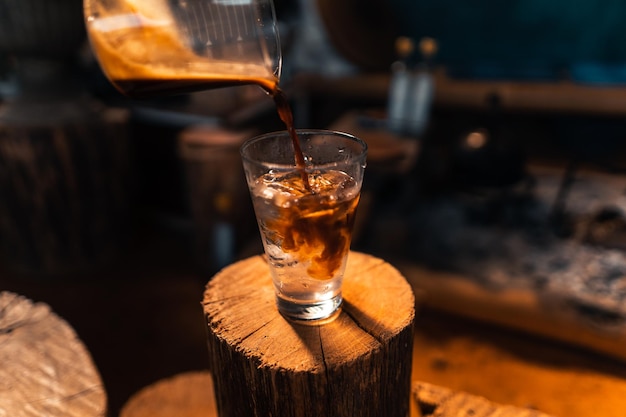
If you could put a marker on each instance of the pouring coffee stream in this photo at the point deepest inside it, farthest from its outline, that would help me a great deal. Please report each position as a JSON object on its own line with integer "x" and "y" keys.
{"x": 151, "y": 48}
{"x": 286, "y": 115}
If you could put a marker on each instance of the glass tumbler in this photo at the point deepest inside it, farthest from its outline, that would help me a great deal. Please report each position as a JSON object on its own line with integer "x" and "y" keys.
{"x": 306, "y": 229}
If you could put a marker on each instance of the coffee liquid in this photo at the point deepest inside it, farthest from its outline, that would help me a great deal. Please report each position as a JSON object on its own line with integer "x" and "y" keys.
{"x": 286, "y": 115}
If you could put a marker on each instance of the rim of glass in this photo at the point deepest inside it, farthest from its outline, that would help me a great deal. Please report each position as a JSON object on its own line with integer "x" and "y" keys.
{"x": 284, "y": 134}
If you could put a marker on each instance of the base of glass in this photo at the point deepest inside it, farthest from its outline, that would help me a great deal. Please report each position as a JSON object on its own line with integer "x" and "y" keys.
{"x": 310, "y": 313}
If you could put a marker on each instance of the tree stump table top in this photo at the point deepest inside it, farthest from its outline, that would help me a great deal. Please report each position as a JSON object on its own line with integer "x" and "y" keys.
{"x": 358, "y": 363}
{"x": 45, "y": 370}
{"x": 378, "y": 303}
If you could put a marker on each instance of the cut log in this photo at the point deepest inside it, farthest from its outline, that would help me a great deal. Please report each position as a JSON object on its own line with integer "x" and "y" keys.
{"x": 356, "y": 365}
{"x": 185, "y": 395}
{"x": 436, "y": 401}
{"x": 45, "y": 370}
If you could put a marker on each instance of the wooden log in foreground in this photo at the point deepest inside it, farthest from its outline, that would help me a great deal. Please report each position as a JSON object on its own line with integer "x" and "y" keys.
{"x": 45, "y": 370}
{"x": 435, "y": 401}
{"x": 189, "y": 394}
{"x": 357, "y": 365}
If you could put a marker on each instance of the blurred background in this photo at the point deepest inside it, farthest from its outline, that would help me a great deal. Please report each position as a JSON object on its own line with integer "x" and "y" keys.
{"x": 497, "y": 135}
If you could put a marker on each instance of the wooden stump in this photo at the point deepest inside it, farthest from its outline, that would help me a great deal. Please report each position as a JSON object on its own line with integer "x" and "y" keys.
{"x": 357, "y": 365}
{"x": 45, "y": 370}
{"x": 185, "y": 395}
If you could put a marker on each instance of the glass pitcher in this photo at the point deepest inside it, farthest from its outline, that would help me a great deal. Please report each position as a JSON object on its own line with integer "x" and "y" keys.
{"x": 156, "y": 47}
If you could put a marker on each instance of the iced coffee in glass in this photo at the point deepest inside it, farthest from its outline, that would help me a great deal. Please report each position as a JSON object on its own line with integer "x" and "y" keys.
{"x": 306, "y": 215}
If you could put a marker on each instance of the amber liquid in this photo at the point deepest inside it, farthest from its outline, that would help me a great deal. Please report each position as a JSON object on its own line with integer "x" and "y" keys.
{"x": 306, "y": 234}
{"x": 286, "y": 115}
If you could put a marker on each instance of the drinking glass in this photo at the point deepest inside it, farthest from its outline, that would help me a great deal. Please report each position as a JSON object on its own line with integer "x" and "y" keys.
{"x": 306, "y": 214}
{"x": 154, "y": 47}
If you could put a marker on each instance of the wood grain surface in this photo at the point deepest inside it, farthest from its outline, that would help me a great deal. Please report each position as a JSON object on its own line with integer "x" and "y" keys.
{"x": 45, "y": 370}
